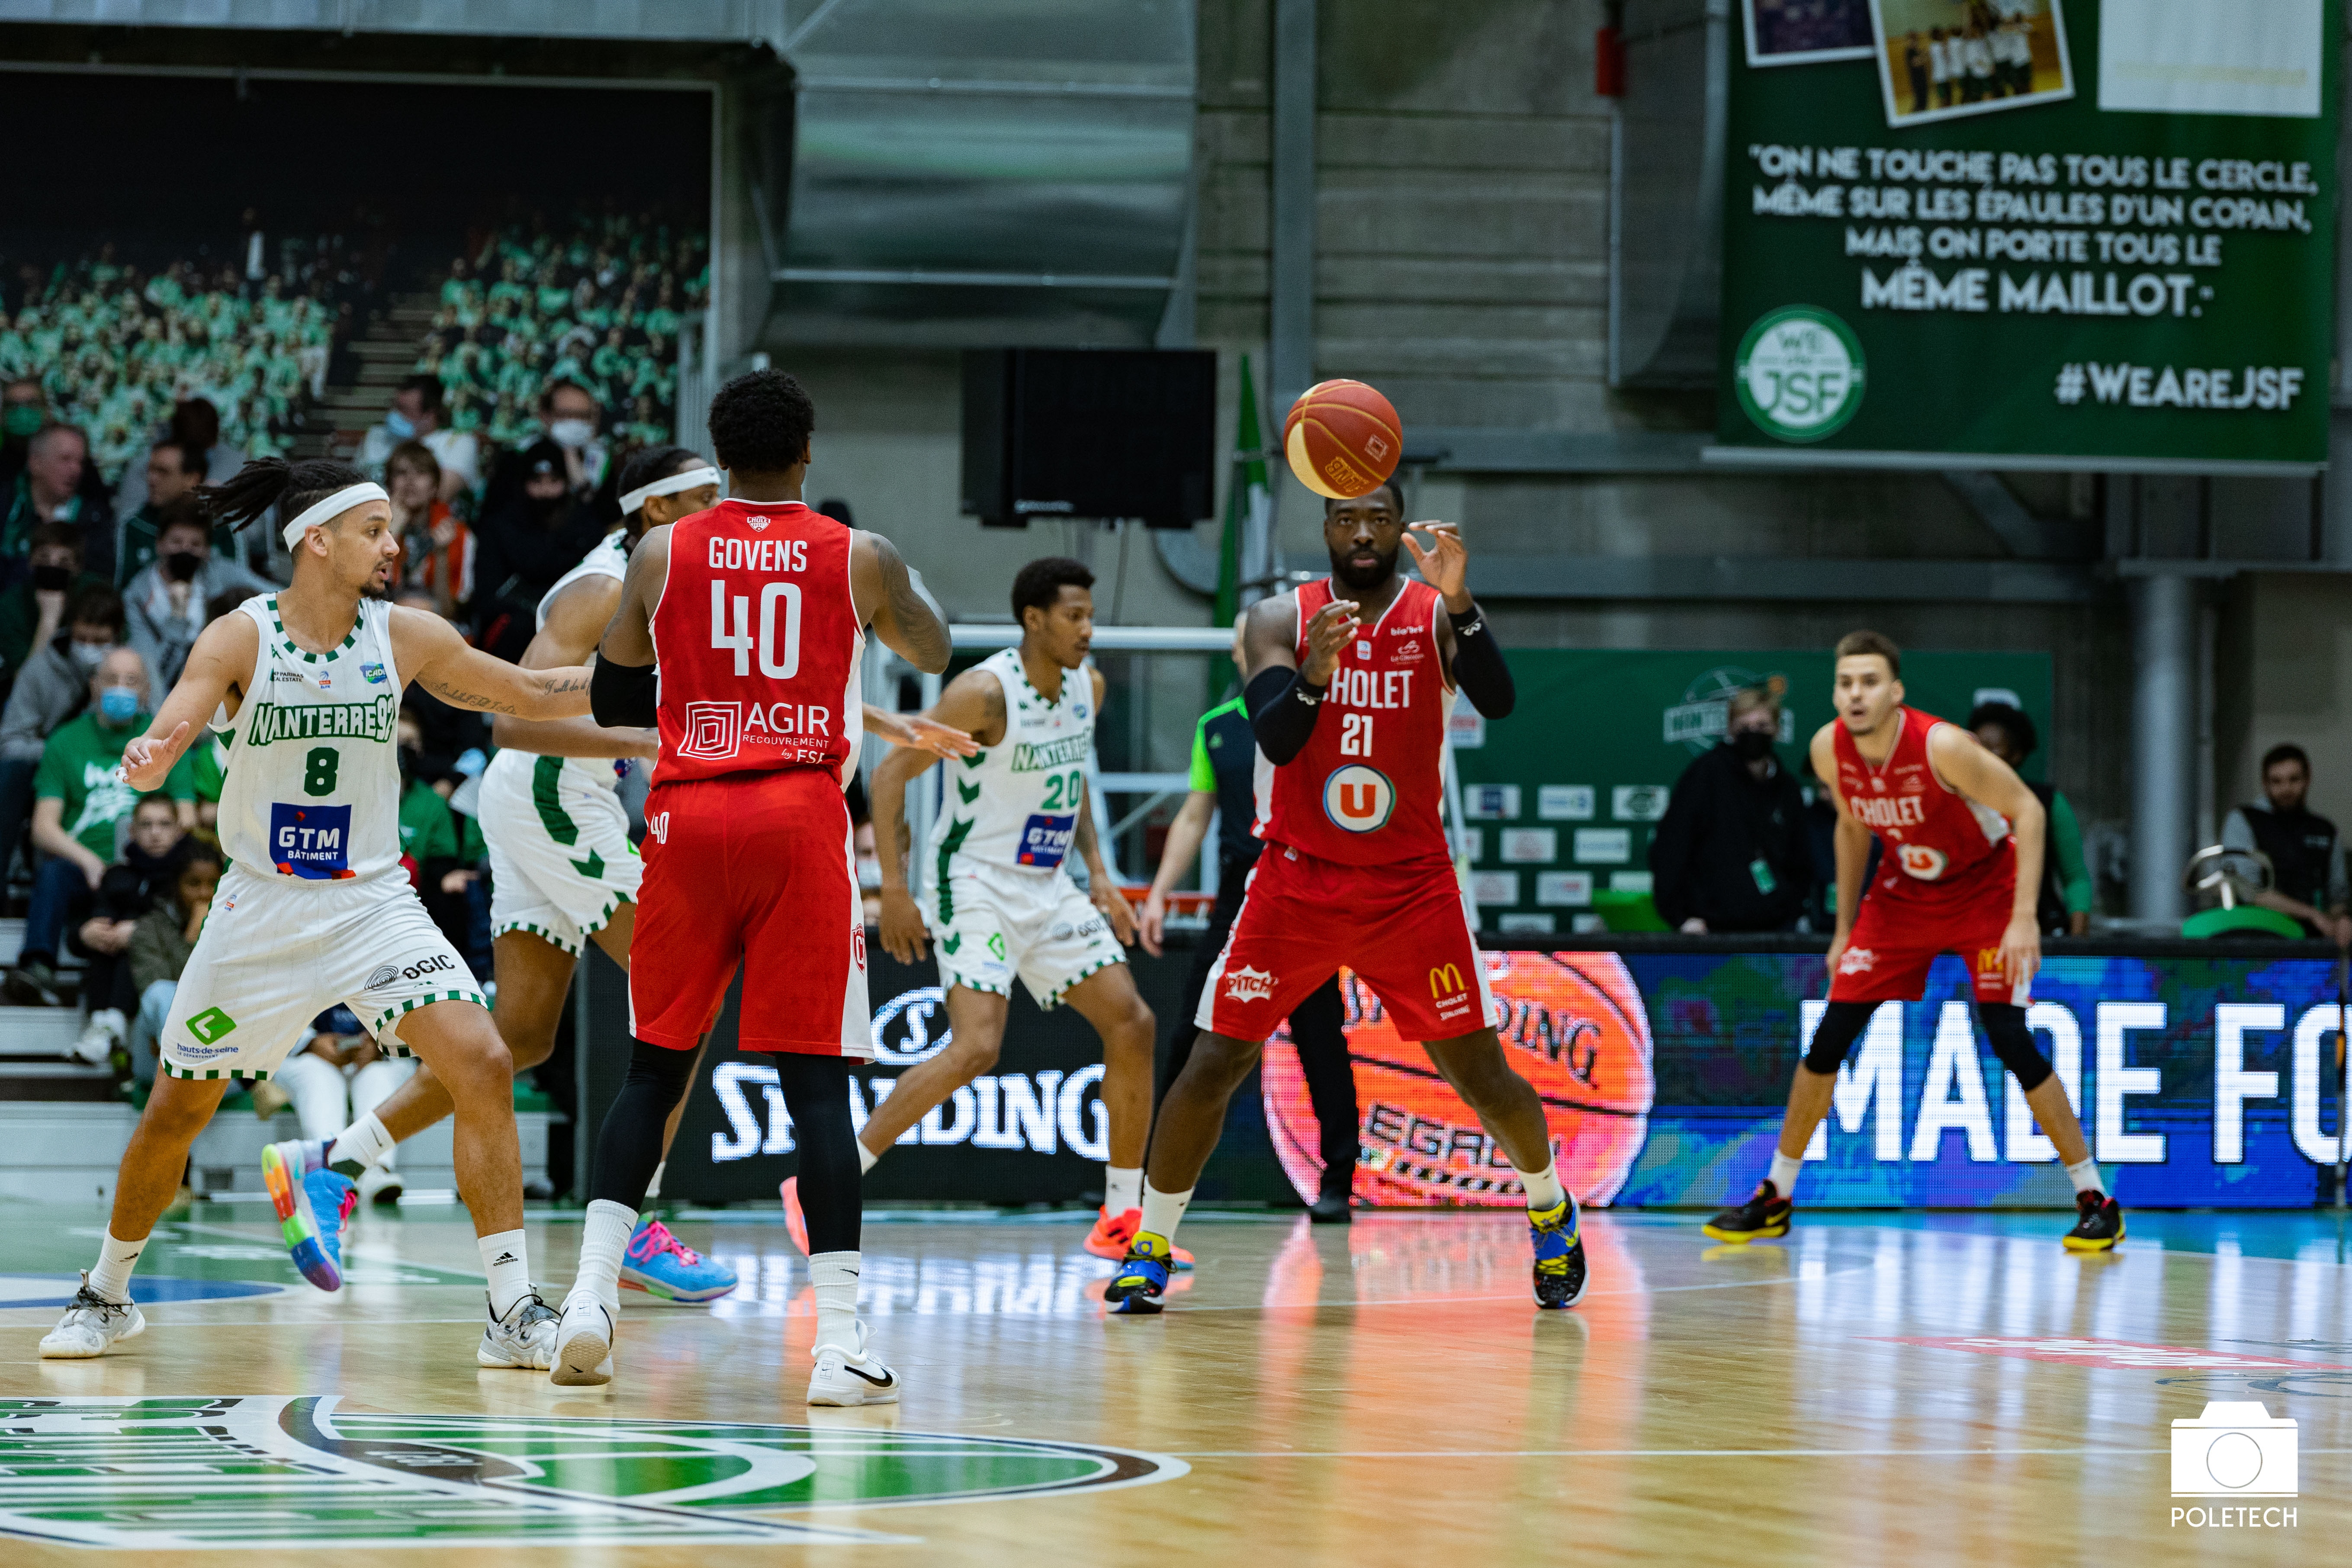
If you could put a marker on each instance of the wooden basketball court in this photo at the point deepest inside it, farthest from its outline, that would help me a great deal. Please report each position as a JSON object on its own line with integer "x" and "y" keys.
{"x": 1880, "y": 1388}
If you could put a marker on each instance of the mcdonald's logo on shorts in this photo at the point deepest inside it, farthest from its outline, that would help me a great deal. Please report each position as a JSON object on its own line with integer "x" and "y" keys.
{"x": 1988, "y": 960}
{"x": 1446, "y": 980}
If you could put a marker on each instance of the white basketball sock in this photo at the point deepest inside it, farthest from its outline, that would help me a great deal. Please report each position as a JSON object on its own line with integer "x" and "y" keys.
{"x": 1123, "y": 1188}
{"x": 865, "y": 1158}
{"x": 1544, "y": 1190}
{"x": 111, "y": 1276}
{"x": 1784, "y": 1173}
{"x": 2085, "y": 1176}
{"x": 507, "y": 1261}
{"x": 835, "y": 1277}
{"x": 365, "y": 1142}
{"x": 1163, "y": 1212}
{"x": 603, "y": 1241}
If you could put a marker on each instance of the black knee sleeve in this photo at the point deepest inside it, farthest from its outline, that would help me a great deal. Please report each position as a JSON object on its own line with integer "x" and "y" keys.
{"x": 2012, "y": 1042}
{"x": 629, "y": 1145}
{"x": 816, "y": 1092}
{"x": 1841, "y": 1025}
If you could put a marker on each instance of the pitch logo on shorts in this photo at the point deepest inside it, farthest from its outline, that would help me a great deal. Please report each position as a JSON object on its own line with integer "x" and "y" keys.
{"x": 1248, "y": 985}
{"x": 1359, "y": 798}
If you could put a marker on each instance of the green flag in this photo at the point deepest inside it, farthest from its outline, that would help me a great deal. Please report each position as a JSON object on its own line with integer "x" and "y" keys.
{"x": 1249, "y": 497}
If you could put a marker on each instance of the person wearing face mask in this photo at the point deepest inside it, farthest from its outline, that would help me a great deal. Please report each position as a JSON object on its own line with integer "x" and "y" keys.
{"x": 419, "y": 413}
{"x": 1730, "y": 854}
{"x": 31, "y": 612}
{"x": 166, "y": 604}
{"x": 78, "y": 797}
{"x": 570, "y": 413}
{"x": 542, "y": 531}
{"x": 52, "y": 689}
{"x": 174, "y": 469}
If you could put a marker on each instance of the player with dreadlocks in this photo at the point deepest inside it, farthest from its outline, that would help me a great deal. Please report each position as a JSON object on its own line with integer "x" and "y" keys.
{"x": 315, "y": 912}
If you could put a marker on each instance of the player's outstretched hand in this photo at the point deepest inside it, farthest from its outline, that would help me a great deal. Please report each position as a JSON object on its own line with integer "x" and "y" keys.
{"x": 1154, "y": 924}
{"x": 939, "y": 740}
{"x": 1113, "y": 904}
{"x": 2020, "y": 950}
{"x": 1444, "y": 566}
{"x": 1329, "y": 634}
{"x": 145, "y": 762}
{"x": 902, "y": 926}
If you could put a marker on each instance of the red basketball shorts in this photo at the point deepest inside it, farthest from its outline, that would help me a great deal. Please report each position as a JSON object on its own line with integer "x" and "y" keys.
{"x": 1895, "y": 939}
{"x": 755, "y": 869}
{"x": 1404, "y": 930}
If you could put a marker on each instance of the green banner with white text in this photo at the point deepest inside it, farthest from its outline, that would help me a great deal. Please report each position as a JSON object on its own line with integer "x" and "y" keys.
{"x": 2095, "y": 234}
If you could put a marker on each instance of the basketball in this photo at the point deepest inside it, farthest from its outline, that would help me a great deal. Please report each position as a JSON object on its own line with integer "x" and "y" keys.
{"x": 1574, "y": 1025}
{"x": 1343, "y": 439}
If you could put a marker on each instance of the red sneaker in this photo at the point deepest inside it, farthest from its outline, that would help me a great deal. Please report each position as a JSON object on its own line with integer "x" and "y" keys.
{"x": 1114, "y": 1233}
{"x": 794, "y": 1223}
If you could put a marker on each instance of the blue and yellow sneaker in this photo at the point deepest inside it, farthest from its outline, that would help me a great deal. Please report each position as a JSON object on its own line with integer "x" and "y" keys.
{"x": 662, "y": 1265}
{"x": 312, "y": 1203}
{"x": 1140, "y": 1286}
{"x": 1560, "y": 1254}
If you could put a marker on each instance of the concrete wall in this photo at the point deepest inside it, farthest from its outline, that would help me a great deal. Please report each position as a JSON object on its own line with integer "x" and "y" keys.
{"x": 1462, "y": 266}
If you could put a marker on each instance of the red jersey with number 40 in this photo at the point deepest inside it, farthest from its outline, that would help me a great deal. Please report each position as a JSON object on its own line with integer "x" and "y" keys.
{"x": 1940, "y": 845}
{"x": 1366, "y": 789}
{"x": 756, "y": 642}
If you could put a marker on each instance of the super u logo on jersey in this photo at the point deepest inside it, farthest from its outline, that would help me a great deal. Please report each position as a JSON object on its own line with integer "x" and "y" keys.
{"x": 1359, "y": 798}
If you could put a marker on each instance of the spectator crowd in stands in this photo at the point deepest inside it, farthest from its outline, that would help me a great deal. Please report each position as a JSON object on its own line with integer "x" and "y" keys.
{"x": 122, "y": 392}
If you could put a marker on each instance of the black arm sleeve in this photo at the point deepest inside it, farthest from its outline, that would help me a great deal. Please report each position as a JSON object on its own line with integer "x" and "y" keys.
{"x": 621, "y": 696}
{"x": 1479, "y": 671}
{"x": 1283, "y": 707}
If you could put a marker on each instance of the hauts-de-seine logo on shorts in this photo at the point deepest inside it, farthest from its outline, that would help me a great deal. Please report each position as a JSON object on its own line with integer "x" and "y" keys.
{"x": 1359, "y": 798}
{"x": 1800, "y": 373}
{"x": 271, "y": 1467}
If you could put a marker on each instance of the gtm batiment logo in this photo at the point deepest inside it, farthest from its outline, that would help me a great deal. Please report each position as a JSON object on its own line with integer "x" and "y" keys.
{"x": 2235, "y": 1450}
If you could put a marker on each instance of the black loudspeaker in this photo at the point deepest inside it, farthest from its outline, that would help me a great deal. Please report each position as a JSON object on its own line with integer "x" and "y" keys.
{"x": 1092, "y": 433}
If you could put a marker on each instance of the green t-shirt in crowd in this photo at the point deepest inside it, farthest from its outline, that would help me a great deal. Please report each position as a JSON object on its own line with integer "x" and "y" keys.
{"x": 78, "y": 768}
{"x": 427, "y": 831}
{"x": 207, "y": 765}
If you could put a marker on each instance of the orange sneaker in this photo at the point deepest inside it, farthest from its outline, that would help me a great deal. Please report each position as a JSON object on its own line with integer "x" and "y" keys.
{"x": 795, "y": 1222}
{"x": 1114, "y": 1233}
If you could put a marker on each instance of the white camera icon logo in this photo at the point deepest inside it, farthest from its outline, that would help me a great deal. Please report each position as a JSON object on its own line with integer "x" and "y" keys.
{"x": 2234, "y": 1449}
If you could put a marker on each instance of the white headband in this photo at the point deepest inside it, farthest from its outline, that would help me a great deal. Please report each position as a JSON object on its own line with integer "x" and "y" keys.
{"x": 342, "y": 501}
{"x": 693, "y": 479}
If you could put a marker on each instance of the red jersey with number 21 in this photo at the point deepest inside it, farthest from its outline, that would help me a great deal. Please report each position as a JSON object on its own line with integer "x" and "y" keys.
{"x": 757, "y": 640}
{"x": 1941, "y": 848}
{"x": 1366, "y": 789}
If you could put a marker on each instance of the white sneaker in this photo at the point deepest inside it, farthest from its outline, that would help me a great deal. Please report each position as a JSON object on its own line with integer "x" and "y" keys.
{"x": 524, "y": 1338}
{"x": 583, "y": 1344}
{"x": 379, "y": 1184}
{"x": 99, "y": 1038}
{"x": 91, "y": 1326}
{"x": 845, "y": 1376}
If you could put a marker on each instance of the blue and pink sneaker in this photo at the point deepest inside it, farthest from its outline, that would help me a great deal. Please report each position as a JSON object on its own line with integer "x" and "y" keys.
{"x": 662, "y": 1265}
{"x": 312, "y": 1203}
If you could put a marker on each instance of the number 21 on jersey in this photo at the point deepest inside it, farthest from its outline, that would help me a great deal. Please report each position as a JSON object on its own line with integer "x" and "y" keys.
{"x": 1355, "y": 734}
{"x": 778, "y": 645}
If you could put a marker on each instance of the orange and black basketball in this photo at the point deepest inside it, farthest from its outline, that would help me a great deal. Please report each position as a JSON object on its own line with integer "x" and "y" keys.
{"x": 1343, "y": 439}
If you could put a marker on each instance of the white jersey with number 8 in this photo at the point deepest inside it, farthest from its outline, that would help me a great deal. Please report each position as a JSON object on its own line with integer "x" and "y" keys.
{"x": 312, "y": 790}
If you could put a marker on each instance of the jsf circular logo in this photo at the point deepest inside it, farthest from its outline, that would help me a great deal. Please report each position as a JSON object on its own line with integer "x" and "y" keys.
{"x": 1800, "y": 373}
{"x": 1359, "y": 798}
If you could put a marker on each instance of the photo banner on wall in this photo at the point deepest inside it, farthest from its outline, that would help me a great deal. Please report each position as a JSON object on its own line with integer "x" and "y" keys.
{"x": 2065, "y": 234}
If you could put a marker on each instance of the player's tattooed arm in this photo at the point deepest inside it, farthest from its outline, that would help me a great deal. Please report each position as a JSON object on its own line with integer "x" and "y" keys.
{"x": 436, "y": 658}
{"x": 574, "y": 621}
{"x": 211, "y": 682}
{"x": 900, "y": 616}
